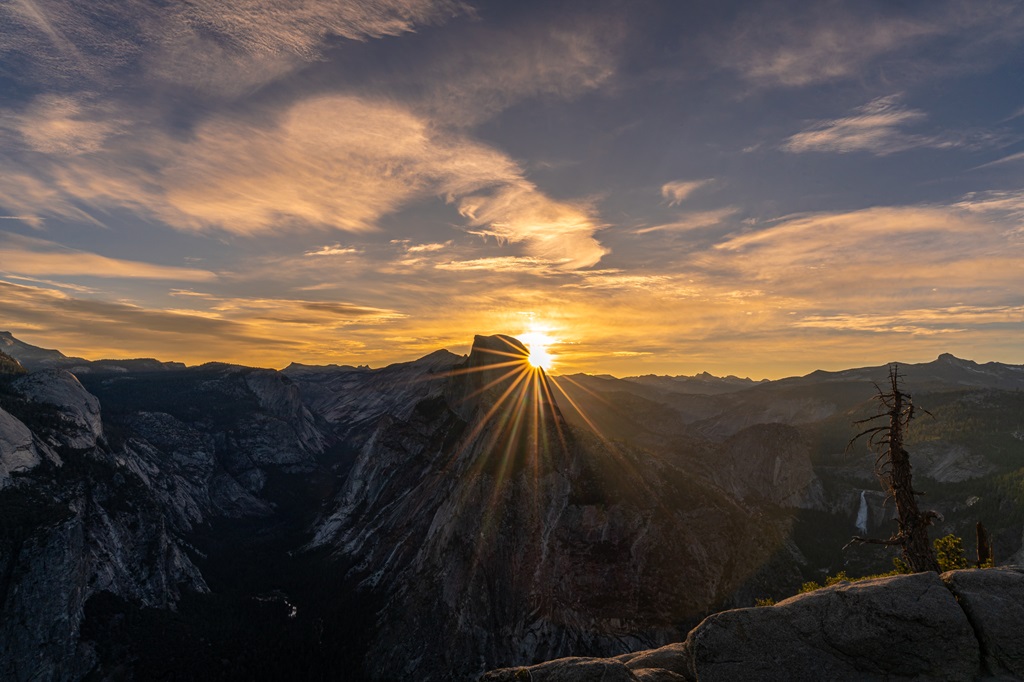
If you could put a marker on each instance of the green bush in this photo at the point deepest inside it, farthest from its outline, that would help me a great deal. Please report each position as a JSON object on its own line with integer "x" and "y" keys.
{"x": 949, "y": 551}
{"x": 830, "y": 580}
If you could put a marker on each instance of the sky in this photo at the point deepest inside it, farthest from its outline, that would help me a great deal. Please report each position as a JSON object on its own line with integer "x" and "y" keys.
{"x": 667, "y": 187}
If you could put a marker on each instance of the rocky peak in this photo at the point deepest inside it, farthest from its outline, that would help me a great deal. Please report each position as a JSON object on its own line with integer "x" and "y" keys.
{"x": 498, "y": 373}
{"x": 495, "y": 356}
{"x": 951, "y": 359}
{"x": 32, "y": 357}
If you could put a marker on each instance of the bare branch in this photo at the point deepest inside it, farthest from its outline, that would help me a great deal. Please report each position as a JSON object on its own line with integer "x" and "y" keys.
{"x": 858, "y": 540}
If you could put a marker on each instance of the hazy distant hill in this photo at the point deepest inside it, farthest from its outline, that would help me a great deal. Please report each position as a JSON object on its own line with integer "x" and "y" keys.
{"x": 703, "y": 383}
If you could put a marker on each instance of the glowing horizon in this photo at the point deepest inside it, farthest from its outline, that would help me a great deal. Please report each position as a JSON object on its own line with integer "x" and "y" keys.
{"x": 753, "y": 190}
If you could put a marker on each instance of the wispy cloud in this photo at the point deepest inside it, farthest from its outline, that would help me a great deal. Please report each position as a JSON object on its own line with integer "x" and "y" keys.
{"x": 53, "y": 284}
{"x": 336, "y": 162}
{"x": 227, "y": 47}
{"x": 61, "y": 124}
{"x": 932, "y": 252}
{"x": 556, "y": 231}
{"x": 678, "y": 190}
{"x": 823, "y": 43}
{"x": 1012, "y": 158}
{"x": 259, "y": 331}
{"x": 494, "y": 69}
{"x": 104, "y": 328}
{"x": 500, "y": 264}
{"x": 876, "y": 127}
{"x": 1005, "y": 206}
{"x": 33, "y": 194}
{"x": 881, "y": 127}
{"x": 427, "y": 248}
{"x": 335, "y": 249}
{"x": 35, "y": 257}
{"x": 626, "y": 281}
{"x": 795, "y": 45}
{"x": 923, "y": 321}
{"x": 693, "y": 221}
{"x": 321, "y": 314}
{"x": 897, "y": 324}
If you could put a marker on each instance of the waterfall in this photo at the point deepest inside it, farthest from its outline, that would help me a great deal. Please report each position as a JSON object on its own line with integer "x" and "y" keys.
{"x": 862, "y": 514}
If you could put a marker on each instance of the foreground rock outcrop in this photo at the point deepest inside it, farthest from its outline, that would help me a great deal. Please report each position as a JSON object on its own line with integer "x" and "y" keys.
{"x": 963, "y": 625}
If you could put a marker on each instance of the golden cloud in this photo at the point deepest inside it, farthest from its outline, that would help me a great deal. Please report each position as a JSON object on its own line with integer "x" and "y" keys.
{"x": 337, "y": 162}
{"x": 37, "y": 257}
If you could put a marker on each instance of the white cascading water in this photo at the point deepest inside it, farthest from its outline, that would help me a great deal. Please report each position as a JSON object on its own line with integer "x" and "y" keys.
{"x": 862, "y": 513}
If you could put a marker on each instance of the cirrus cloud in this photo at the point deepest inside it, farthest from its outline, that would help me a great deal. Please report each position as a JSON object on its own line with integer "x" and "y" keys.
{"x": 24, "y": 256}
{"x": 333, "y": 162}
{"x": 874, "y": 127}
{"x": 881, "y": 256}
{"x": 227, "y": 47}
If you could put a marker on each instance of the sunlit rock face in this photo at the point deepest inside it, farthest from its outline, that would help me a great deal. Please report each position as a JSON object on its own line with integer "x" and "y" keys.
{"x": 80, "y": 408}
{"x": 499, "y": 534}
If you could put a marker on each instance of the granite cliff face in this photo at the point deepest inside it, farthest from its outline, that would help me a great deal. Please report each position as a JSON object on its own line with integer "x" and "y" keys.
{"x": 88, "y": 510}
{"x": 78, "y": 409}
{"x": 18, "y": 449}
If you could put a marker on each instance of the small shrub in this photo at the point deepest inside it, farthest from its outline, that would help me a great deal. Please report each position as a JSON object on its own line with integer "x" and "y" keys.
{"x": 949, "y": 551}
{"x": 837, "y": 578}
{"x": 766, "y": 601}
{"x": 809, "y": 586}
{"x": 842, "y": 577}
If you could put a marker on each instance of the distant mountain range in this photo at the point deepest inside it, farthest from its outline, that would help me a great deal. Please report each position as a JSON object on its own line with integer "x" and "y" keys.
{"x": 35, "y": 358}
{"x": 438, "y": 518}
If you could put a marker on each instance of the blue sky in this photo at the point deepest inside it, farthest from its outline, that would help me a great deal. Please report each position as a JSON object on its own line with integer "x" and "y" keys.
{"x": 668, "y": 187}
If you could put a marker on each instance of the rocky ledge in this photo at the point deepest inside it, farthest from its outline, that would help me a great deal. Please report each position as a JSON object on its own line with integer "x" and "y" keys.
{"x": 962, "y": 625}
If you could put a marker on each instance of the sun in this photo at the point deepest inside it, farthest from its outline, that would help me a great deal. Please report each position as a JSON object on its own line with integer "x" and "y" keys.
{"x": 539, "y": 357}
{"x": 538, "y": 344}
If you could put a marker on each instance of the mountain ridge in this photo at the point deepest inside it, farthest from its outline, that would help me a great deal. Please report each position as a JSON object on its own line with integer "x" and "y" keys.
{"x": 35, "y": 357}
{"x": 506, "y": 515}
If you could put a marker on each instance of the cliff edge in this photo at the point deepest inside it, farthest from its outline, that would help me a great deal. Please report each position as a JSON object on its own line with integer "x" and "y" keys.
{"x": 962, "y": 625}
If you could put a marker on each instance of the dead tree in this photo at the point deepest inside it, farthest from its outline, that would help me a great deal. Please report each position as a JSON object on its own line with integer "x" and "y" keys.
{"x": 892, "y": 467}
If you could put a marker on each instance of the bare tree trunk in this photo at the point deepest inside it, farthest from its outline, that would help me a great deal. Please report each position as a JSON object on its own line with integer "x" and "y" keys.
{"x": 894, "y": 472}
{"x": 913, "y": 526}
{"x": 985, "y": 557}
